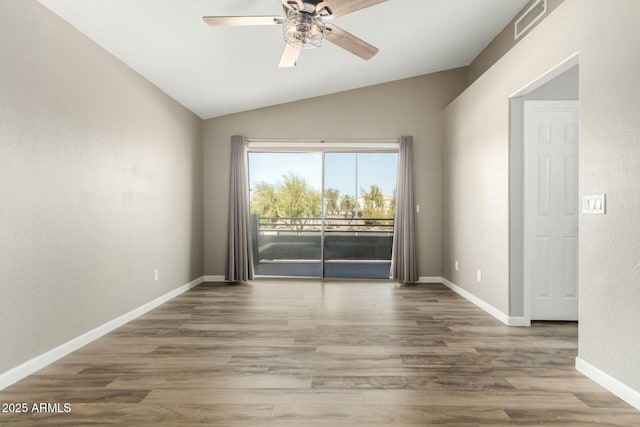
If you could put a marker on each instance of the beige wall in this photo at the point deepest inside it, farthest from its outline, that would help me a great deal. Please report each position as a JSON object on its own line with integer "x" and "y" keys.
{"x": 100, "y": 184}
{"x": 406, "y": 107}
{"x": 503, "y": 42}
{"x": 476, "y": 170}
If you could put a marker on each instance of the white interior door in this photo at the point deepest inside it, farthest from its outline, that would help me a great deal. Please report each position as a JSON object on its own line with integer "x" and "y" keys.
{"x": 551, "y": 209}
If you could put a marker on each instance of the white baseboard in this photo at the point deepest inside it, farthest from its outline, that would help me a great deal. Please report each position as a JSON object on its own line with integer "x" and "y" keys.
{"x": 430, "y": 279}
{"x": 519, "y": 321}
{"x": 477, "y": 301}
{"x": 504, "y": 318}
{"x": 29, "y": 367}
{"x": 623, "y": 391}
{"x": 214, "y": 279}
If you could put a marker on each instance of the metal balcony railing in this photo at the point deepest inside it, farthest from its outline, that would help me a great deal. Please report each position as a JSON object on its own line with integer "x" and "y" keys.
{"x": 335, "y": 247}
{"x": 313, "y": 225}
{"x": 343, "y": 239}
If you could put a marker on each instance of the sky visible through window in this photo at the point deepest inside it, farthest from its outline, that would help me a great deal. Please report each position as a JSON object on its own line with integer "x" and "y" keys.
{"x": 372, "y": 169}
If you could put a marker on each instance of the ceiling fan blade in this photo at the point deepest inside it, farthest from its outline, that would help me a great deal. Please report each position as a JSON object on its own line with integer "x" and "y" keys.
{"x": 348, "y": 41}
{"x": 343, "y": 7}
{"x": 226, "y": 21}
{"x": 290, "y": 55}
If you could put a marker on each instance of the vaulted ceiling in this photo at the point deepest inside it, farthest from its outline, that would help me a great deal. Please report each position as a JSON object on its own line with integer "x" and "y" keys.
{"x": 215, "y": 71}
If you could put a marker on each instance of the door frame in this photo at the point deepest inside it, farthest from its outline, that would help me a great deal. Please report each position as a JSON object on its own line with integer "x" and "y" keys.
{"x": 519, "y": 298}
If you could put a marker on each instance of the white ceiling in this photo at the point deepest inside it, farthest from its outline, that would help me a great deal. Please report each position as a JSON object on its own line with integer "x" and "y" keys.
{"x": 215, "y": 71}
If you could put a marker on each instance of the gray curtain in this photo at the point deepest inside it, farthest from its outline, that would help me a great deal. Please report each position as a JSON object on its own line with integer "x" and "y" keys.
{"x": 239, "y": 254}
{"x": 404, "y": 256}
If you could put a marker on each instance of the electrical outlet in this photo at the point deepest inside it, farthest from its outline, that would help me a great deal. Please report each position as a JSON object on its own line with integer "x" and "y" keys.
{"x": 156, "y": 275}
{"x": 456, "y": 266}
{"x": 479, "y": 275}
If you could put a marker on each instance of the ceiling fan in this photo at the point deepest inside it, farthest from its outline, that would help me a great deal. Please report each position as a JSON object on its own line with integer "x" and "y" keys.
{"x": 304, "y": 26}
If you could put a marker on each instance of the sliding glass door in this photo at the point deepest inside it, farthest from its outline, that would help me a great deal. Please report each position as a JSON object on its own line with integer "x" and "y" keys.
{"x": 322, "y": 214}
{"x": 359, "y": 204}
{"x": 286, "y": 211}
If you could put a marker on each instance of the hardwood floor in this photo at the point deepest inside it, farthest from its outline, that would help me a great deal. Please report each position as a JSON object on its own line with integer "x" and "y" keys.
{"x": 307, "y": 353}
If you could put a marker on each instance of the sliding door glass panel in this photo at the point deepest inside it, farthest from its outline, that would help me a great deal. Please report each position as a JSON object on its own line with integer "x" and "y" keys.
{"x": 359, "y": 205}
{"x": 286, "y": 209}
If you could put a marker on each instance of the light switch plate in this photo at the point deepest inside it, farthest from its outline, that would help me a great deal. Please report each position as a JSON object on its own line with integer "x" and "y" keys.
{"x": 594, "y": 204}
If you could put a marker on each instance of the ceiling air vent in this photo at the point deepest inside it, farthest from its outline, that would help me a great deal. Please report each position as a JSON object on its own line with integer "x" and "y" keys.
{"x": 530, "y": 17}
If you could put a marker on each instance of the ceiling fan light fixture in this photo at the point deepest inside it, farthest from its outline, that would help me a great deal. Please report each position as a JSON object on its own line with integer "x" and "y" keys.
{"x": 303, "y": 29}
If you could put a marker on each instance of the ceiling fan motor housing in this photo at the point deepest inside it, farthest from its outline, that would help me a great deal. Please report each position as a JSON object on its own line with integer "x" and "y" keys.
{"x": 317, "y": 7}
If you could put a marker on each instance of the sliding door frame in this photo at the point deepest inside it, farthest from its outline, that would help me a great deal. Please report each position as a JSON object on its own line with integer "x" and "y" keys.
{"x": 323, "y": 146}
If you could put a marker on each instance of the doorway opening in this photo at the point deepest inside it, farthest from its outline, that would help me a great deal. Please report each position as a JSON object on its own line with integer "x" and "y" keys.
{"x": 322, "y": 213}
{"x": 544, "y": 205}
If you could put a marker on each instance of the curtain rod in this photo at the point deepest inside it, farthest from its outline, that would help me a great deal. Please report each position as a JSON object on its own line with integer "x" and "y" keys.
{"x": 322, "y": 140}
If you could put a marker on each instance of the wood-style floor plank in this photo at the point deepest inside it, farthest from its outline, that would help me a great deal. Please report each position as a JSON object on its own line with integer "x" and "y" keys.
{"x": 310, "y": 353}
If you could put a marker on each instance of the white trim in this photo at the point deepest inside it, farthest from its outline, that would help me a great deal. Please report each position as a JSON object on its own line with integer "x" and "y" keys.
{"x": 477, "y": 301}
{"x": 430, "y": 279}
{"x": 213, "y": 279}
{"x": 547, "y": 76}
{"x": 623, "y": 391}
{"x": 519, "y": 321}
{"x": 504, "y": 318}
{"x": 14, "y": 375}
